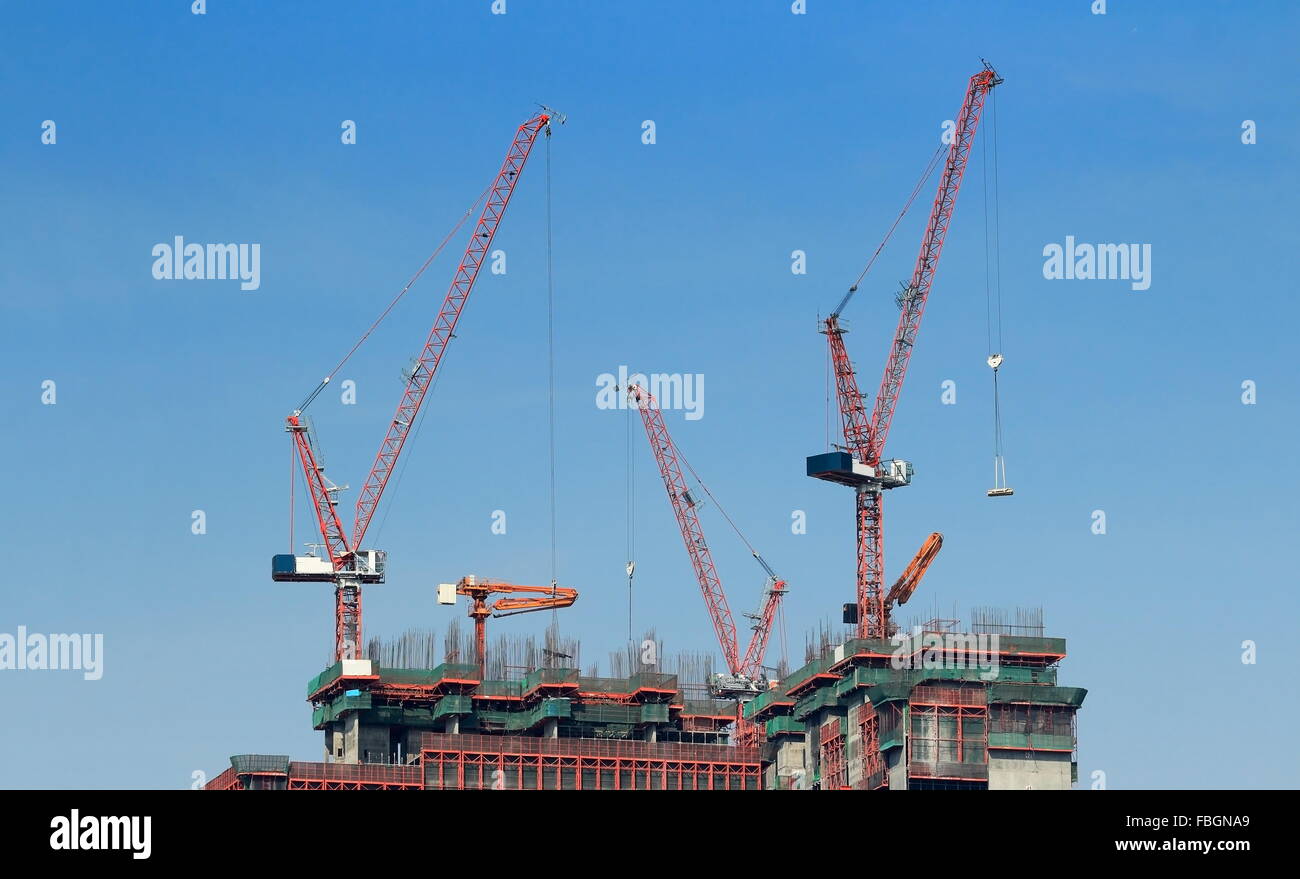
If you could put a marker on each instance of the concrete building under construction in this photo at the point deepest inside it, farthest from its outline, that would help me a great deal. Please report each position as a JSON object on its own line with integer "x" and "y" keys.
{"x": 940, "y": 710}
{"x": 937, "y": 709}
{"x": 555, "y": 729}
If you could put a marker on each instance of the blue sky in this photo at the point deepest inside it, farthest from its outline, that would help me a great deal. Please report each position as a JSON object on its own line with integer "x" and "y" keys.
{"x": 774, "y": 132}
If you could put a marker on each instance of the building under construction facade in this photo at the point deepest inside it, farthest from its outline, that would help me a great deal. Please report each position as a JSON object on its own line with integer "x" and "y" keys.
{"x": 937, "y": 709}
{"x": 444, "y": 729}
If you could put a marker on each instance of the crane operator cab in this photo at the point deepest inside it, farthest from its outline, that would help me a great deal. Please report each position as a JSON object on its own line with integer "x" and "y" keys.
{"x": 364, "y": 566}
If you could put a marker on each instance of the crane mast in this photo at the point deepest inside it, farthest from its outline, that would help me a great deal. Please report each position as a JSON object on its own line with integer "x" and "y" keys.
{"x": 860, "y": 463}
{"x": 348, "y": 566}
{"x": 751, "y": 666}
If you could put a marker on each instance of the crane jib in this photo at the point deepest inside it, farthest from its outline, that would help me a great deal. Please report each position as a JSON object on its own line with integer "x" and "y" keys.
{"x": 351, "y": 566}
{"x": 865, "y": 434}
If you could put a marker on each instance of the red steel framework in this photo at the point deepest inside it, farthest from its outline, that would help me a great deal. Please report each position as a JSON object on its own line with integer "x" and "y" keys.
{"x": 354, "y": 776}
{"x": 342, "y": 552}
{"x": 834, "y": 775}
{"x": 669, "y": 460}
{"x": 948, "y": 736}
{"x": 865, "y": 434}
{"x": 324, "y": 776}
{"x": 873, "y": 763}
{"x": 469, "y": 762}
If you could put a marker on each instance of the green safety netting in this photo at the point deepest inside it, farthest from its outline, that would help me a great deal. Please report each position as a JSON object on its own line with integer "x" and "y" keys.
{"x": 245, "y": 763}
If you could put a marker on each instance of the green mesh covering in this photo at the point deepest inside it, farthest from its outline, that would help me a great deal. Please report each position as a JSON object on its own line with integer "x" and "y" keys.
{"x": 336, "y": 708}
{"x": 816, "y": 667}
{"x": 247, "y": 763}
{"x": 708, "y": 708}
{"x": 550, "y": 676}
{"x": 501, "y": 689}
{"x": 445, "y": 673}
{"x": 763, "y": 701}
{"x": 873, "y": 646}
{"x": 650, "y": 680}
{"x": 655, "y": 713}
{"x": 601, "y": 713}
{"x": 1036, "y": 742}
{"x": 890, "y": 691}
{"x": 781, "y": 726}
{"x": 393, "y": 715}
{"x": 1032, "y": 646}
{"x": 1037, "y": 694}
{"x": 822, "y": 697}
{"x": 456, "y": 704}
{"x": 859, "y": 677}
{"x": 1017, "y": 674}
{"x": 325, "y": 677}
{"x": 557, "y": 708}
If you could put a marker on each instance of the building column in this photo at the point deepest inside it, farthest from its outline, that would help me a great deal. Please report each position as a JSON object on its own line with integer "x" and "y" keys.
{"x": 352, "y": 737}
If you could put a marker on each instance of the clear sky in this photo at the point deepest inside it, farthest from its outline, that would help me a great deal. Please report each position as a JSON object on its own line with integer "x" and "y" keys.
{"x": 774, "y": 132}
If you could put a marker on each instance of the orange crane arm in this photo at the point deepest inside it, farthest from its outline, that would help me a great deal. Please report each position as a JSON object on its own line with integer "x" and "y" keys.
{"x": 915, "y": 570}
{"x": 478, "y": 590}
{"x": 548, "y": 597}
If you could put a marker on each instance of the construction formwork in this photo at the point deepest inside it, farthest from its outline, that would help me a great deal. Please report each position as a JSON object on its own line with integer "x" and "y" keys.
{"x": 371, "y": 714}
{"x": 955, "y": 712}
{"x": 443, "y": 728}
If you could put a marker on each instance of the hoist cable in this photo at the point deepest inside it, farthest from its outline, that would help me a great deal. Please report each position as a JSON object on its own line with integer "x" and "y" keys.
{"x": 550, "y": 352}
{"x": 929, "y": 169}
{"x": 312, "y": 396}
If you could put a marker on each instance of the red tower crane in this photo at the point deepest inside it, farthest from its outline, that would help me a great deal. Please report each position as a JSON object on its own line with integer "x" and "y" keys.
{"x": 860, "y": 463}
{"x": 348, "y": 566}
{"x": 745, "y": 672}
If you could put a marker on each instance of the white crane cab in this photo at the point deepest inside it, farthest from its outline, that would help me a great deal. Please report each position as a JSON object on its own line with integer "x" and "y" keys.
{"x": 364, "y": 566}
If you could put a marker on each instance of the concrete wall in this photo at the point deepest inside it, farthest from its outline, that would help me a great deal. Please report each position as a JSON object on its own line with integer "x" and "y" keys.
{"x": 374, "y": 741}
{"x": 351, "y": 737}
{"x": 791, "y": 761}
{"x": 333, "y": 743}
{"x": 896, "y": 768}
{"x": 1029, "y": 770}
